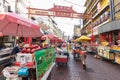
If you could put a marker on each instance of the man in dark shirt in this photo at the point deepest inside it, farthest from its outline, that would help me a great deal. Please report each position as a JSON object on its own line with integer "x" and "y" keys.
{"x": 16, "y": 50}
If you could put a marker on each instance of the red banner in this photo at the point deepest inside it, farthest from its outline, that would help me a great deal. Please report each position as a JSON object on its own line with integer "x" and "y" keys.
{"x": 59, "y": 11}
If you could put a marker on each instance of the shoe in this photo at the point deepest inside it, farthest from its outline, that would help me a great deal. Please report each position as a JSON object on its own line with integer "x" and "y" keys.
{"x": 84, "y": 66}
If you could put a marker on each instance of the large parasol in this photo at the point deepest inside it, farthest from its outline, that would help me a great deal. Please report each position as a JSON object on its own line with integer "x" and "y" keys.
{"x": 84, "y": 38}
{"x": 14, "y": 25}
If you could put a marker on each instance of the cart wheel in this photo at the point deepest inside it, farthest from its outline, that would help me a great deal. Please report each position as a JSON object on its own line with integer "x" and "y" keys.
{"x": 102, "y": 59}
{"x": 74, "y": 57}
{"x": 58, "y": 63}
{"x": 66, "y": 64}
{"x": 84, "y": 66}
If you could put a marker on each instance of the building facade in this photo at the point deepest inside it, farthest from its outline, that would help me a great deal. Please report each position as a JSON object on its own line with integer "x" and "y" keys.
{"x": 77, "y": 31}
{"x": 111, "y": 31}
{"x": 106, "y": 18}
{"x": 100, "y": 10}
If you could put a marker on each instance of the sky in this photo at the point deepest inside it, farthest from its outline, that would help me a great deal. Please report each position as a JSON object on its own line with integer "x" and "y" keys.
{"x": 65, "y": 24}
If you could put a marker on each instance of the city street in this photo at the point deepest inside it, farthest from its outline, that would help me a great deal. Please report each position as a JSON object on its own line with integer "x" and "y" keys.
{"x": 96, "y": 70}
{"x": 37, "y": 36}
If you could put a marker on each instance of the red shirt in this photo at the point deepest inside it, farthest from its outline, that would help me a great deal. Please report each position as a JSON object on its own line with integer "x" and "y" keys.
{"x": 82, "y": 52}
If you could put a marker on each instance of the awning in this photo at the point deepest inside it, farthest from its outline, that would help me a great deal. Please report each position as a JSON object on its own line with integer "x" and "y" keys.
{"x": 114, "y": 25}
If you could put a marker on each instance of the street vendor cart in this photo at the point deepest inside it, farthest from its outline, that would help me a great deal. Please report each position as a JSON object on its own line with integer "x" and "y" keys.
{"x": 61, "y": 58}
{"x": 76, "y": 53}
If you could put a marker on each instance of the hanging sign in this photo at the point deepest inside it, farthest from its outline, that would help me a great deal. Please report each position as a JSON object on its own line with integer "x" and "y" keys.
{"x": 59, "y": 11}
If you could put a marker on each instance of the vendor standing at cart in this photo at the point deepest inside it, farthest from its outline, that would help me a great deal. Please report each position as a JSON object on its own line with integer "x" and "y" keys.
{"x": 16, "y": 49}
{"x": 64, "y": 49}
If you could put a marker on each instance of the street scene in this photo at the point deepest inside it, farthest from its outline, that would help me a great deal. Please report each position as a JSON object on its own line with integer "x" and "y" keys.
{"x": 96, "y": 70}
{"x": 59, "y": 40}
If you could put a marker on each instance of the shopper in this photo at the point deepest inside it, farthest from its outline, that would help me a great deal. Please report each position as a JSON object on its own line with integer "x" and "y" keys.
{"x": 83, "y": 56}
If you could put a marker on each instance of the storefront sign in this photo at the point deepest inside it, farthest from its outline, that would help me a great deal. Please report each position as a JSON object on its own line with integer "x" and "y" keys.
{"x": 43, "y": 59}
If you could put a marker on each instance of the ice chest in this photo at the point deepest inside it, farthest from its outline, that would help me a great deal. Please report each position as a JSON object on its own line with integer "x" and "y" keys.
{"x": 23, "y": 72}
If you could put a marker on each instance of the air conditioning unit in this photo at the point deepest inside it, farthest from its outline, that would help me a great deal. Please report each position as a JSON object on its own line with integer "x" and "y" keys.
{"x": 8, "y": 8}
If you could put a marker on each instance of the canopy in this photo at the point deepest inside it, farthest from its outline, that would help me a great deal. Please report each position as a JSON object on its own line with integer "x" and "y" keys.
{"x": 14, "y": 25}
{"x": 50, "y": 36}
{"x": 84, "y": 38}
{"x": 59, "y": 40}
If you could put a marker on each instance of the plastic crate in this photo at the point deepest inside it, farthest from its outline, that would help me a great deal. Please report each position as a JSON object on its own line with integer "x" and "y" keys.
{"x": 23, "y": 72}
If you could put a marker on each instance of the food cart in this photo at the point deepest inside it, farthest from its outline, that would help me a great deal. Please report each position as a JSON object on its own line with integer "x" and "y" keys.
{"x": 76, "y": 53}
{"x": 61, "y": 59}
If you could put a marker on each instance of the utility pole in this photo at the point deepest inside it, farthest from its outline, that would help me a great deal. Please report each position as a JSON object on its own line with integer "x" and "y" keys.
{"x": 16, "y": 6}
{"x": 16, "y": 11}
{"x": 4, "y": 4}
{"x": 111, "y": 10}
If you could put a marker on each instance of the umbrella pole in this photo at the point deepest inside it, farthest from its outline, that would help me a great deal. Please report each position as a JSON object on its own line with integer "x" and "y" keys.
{"x": 15, "y": 41}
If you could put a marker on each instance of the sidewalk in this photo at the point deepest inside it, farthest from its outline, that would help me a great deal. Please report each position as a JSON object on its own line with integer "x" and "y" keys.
{"x": 73, "y": 71}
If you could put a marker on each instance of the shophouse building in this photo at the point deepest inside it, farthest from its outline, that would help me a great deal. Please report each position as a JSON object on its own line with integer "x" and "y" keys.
{"x": 100, "y": 10}
{"x": 105, "y": 22}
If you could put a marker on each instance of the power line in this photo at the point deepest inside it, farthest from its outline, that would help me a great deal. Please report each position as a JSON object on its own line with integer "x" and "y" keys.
{"x": 72, "y": 3}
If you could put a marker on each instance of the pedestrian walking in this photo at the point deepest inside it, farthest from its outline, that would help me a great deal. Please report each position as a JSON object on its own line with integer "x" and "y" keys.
{"x": 83, "y": 56}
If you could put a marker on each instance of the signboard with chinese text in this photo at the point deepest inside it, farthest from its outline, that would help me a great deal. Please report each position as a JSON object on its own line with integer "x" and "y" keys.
{"x": 59, "y": 11}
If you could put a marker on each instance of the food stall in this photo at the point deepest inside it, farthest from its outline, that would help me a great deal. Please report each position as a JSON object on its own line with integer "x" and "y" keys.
{"x": 32, "y": 62}
{"x": 104, "y": 52}
{"x": 116, "y": 52}
{"x": 110, "y": 53}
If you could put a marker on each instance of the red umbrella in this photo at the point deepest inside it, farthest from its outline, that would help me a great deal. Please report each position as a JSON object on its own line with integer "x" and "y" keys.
{"x": 1, "y": 34}
{"x": 14, "y": 25}
{"x": 50, "y": 36}
{"x": 59, "y": 40}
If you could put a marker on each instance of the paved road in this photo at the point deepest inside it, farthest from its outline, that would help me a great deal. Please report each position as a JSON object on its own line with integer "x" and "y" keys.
{"x": 96, "y": 70}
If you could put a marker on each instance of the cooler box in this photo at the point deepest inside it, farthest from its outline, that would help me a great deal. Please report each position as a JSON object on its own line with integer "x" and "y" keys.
{"x": 23, "y": 72}
{"x": 61, "y": 58}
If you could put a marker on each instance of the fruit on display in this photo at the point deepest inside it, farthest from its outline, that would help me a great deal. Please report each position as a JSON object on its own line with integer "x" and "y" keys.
{"x": 31, "y": 49}
{"x": 38, "y": 48}
{"x": 24, "y": 50}
{"x": 28, "y": 50}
